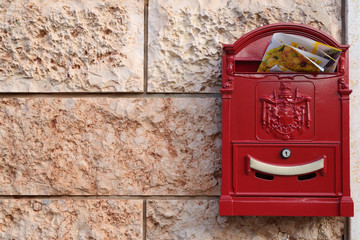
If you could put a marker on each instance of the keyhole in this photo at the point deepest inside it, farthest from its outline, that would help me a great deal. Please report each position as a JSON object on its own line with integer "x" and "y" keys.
{"x": 285, "y": 153}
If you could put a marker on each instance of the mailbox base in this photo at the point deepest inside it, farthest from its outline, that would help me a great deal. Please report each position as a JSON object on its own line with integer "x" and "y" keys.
{"x": 285, "y": 206}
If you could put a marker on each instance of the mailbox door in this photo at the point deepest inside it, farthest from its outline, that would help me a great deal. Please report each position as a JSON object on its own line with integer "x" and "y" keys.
{"x": 286, "y": 170}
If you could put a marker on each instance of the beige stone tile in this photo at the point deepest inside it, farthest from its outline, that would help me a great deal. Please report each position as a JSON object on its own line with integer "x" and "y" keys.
{"x": 355, "y": 147}
{"x": 70, "y": 219}
{"x": 71, "y": 46}
{"x": 109, "y": 146}
{"x": 185, "y": 36}
{"x": 199, "y": 219}
{"x": 354, "y": 65}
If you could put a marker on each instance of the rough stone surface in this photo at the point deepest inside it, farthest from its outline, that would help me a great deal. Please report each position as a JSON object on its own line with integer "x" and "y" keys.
{"x": 71, "y": 45}
{"x": 184, "y": 37}
{"x": 110, "y": 146}
{"x": 354, "y": 64}
{"x": 70, "y": 219}
{"x": 199, "y": 219}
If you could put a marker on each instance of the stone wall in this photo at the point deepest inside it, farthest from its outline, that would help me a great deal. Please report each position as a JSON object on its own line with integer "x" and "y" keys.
{"x": 110, "y": 118}
{"x": 353, "y": 39}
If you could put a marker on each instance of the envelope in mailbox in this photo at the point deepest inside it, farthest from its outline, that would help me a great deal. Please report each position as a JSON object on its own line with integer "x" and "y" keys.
{"x": 292, "y": 53}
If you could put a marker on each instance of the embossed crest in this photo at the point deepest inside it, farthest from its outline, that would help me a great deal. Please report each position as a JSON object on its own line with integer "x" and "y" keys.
{"x": 286, "y": 114}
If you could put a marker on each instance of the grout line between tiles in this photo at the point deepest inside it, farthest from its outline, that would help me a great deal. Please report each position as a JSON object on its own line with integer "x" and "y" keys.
{"x": 110, "y": 95}
{"x": 144, "y": 220}
{"x": 344, "y": 21}
{"x": 344, "y": 40}
{"x": 119, "y": 197}
{"x": 146, "y": 40}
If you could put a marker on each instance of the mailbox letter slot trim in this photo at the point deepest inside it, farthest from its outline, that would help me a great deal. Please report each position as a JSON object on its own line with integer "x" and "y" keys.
{"x": 286, "y": 170}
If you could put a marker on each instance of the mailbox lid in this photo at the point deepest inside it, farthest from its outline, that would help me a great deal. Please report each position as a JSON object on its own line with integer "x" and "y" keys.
{"x": 250, "y": 48}
{"x": 311, "y": 170}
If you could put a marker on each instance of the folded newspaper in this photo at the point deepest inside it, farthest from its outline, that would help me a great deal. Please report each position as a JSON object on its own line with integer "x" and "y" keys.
{"x": 292, "y": 53}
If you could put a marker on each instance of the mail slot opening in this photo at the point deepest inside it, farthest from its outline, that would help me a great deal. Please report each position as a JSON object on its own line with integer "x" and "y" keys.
{"x": 247, "y": 65}
{"x": 307, "y": 177}
{"x": 251, "y": 65}
{"x": 264, "y": 176}
{"x": 287, "y": 53}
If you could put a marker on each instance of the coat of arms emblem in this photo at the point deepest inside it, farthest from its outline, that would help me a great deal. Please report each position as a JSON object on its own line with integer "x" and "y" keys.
{"x": 285, "y": 114}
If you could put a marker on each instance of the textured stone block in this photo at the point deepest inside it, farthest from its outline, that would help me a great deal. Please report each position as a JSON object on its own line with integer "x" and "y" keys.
{"x": 71, "y": 46}
{"x": 110, "y": 146}
{"x": 185, "y": 37}
{"x": 355, "y": 143}
{"x": 353, "y": 40}
{"x": 70, "y": 219}
{"x": 199, "y": 219}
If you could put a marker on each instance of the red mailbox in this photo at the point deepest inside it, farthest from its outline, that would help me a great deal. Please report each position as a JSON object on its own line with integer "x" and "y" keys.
{"x": 285, "y": 135}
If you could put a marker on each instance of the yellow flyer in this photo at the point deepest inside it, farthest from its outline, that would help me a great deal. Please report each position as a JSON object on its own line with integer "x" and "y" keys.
{"x": 292, "y": 53}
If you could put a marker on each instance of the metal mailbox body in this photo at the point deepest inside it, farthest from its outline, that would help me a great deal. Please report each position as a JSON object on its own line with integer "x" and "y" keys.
{"x": 285, "y": 148}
